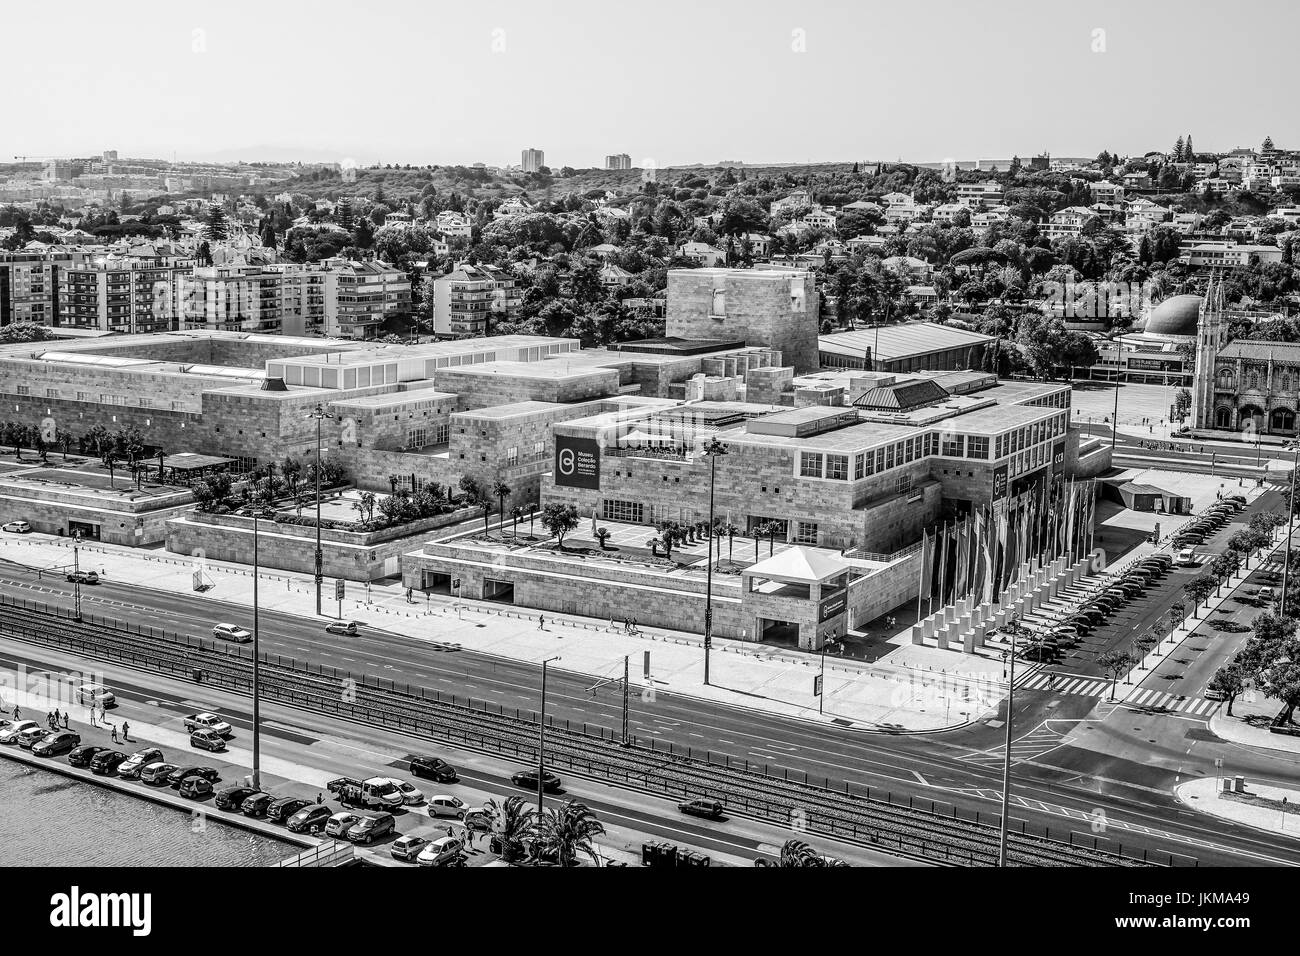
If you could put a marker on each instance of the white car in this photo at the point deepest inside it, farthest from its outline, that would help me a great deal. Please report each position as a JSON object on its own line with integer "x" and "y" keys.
{"x": 232, "y": 632}
{"x": 440, "y": 852}
{"x": 96, "y": 694}
{"x": 1186, "y": 557}
{"x": 10, "y": 734}
{"x": 211, "y": 722}
{"x": 410, "y": 793}
{"x": 339, "y": 824}
{"x": 17, "y": 527}
{"x": 447, "y": 806}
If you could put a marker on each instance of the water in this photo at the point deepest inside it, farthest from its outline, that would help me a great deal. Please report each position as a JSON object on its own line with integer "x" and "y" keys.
{"x": 49, "y": 819}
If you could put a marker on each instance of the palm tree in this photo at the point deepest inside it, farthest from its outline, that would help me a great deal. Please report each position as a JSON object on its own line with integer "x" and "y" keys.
{"x": 110, "y": 461}
{"x": 502, "y": 491}
{"x": 515, "y": 514}
{"x": 730, "y": 530}
{"x": 487, "y": 510}
{"x": 66, "y": 441}
{"x": 797, "y": 854}
{"x": 602, "y": 535}
{"x": 771, "y": 529}
{"x": 569, "y": 831}
{"x": 512, "y": 823}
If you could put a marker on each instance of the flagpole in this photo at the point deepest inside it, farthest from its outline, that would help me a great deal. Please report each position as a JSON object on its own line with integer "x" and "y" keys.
{"x": 920, "y": 578}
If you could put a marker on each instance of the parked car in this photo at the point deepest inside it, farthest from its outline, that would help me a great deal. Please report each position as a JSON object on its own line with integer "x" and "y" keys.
{"x": 528, "y": 780}
{"x": 1266, "y": 594}
{"x": 1044, "y": 653}
{"x": 440, "y": 852}
{"x": 28, "y": 738}
{"x": 83, "y": 577}
{"x": 82, "y": 756}
{"x": 407, "y": 848}
{"x": 17, "y": 527}
{"x": 1188, "y": 538}
{"x": 340, "y": 823}
{"x": 310, "y": 818}
{"x": 478, "y": 818}
{"x": 284, "y": 808}
{"x": 434, "y": 768}
{"x": 369, "y": 829}
{"x": 256, "y": 803}
{"x": 132, "y": 765}
{"x": 208, "y": 740}
{"x": 709, "y": 809}
{"x": 232, "y": 632}
{"x": 443, "y": 805}
{"x": 195, "y": 788}
{"x": 346, "y": 628}
{"x": 176, "y": 776}
{"x": 56, "y": 744}
{"x": 411, "y": 795}
{"x": 232, "y": 798}
{"x": 157, "y": 773}
{"x": 1239, "y": 499}
{"x": 97, "y": 694}
{"x": 106, "y": 762}
{"x": 11, "y": 733}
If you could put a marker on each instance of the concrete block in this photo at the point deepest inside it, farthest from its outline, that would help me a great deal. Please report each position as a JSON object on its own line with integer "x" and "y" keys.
{"x": 918, "y": 634}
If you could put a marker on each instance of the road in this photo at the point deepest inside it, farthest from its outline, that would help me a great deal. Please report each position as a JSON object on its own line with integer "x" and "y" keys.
{"x": 1075, "y": 760}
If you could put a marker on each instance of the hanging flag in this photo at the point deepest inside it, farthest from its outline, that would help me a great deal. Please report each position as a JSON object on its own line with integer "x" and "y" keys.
{"x": 923, "y": 580}
{"x": 1004, "y": 536}
{"x": 943, "y": 570}
{"x": 1070, "y": 506}
{"x": 988, "y": 556}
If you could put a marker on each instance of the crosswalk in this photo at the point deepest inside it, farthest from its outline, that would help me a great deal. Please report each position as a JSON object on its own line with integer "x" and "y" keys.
{"x": 1096, "y": 687}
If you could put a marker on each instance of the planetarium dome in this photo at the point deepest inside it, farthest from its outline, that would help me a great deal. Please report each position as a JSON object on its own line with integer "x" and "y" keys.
{"x": 1177, "y": 315}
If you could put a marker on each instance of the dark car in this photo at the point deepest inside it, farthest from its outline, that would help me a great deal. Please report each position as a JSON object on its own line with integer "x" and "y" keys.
{"x": 370, "y": 829}
{"x": 232, "y": 798}
{"x": 528, "y": 780}
{"x": 709, "y": 809}
{"x": 1239, "y": 499}
{"x": 255, "y": 804}
{"x": 83, "y": 577}
{"x": 281, "y": 810}
{"x": 176, "y": 776}
{"x": 106, "y": 761}
{"x": 1080, "y": 622}
{"x": 196, "y": 788}
{"x": 310, "y": 818}
{"x": 1040, "y": 652}
{"x": 56, "y": 744}
{"x": 434, "y": 768}
{"x": 82, "y": 756}
{"x": 1093, "y": 614}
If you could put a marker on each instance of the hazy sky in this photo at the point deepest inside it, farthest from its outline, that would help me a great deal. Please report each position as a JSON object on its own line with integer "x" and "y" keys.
{"x": 676, "y": 82}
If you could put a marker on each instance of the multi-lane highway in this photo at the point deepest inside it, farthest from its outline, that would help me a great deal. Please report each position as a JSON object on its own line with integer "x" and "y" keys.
{"x": 1085, "y": 770}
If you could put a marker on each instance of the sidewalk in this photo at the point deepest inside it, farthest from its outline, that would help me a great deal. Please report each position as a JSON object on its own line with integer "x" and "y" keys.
{"x": 1260, "y": 806}
{"x": 908, "y": 689}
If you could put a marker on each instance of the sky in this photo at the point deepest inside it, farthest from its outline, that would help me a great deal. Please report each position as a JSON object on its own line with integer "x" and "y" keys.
{"x": 668, "y": 83}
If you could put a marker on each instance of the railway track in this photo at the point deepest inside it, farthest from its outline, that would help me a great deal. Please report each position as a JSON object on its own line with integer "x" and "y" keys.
{"x": 595, "y": 752}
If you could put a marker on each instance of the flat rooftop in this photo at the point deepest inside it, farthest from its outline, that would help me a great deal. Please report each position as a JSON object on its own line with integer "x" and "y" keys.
{"x": 891, "y": 343}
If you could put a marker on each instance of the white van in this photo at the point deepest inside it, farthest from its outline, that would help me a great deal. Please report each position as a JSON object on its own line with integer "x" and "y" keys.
{"x": 1186, "y": 557}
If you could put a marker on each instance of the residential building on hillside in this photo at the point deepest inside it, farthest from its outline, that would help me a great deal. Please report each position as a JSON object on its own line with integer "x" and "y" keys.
{"x": 470, "y": 297}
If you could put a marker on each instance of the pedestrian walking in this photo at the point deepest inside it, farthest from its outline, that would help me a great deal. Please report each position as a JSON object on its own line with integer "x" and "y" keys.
{"x": 114, "y": 733}
{"x": 92, "y": 716}
{"x": 17, "y": 713}
{"x": 58, "y": 718}
{"x": 65, "y": 720}
{"x": 319, "y": 797}
{"x": 126, "y": 730}
{"x": 541, "y": 626}
{"x": 450, "y": 833}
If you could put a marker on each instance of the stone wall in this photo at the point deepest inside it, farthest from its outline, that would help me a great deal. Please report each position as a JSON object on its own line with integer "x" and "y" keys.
{"x": 132, "y": 522}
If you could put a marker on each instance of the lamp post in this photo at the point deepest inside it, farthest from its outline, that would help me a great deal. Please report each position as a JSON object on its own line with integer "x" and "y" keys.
{"x": 257, "y": 724}
{"x": 713, "y": 450}
{"x": 1290, "y": 519}
{"x": 320, "y": 415}
{"x": 1114, "y": 419}
{"x": 1006, "y": 760}
{"x": 76, "y": 575}
{"x": 821, "y": 681}
{"x": 541, "y": 740}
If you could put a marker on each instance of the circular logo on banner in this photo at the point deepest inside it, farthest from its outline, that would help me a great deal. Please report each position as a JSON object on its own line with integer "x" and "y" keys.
{"x": 566, "y": 461}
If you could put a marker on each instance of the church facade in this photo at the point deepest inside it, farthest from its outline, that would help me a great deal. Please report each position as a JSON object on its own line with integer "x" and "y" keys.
{"x": 1243, "y": 385}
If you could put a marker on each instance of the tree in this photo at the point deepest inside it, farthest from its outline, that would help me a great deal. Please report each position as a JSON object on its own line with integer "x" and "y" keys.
{"x": 568, "y": 832}
{"x": 1198, "y": 589}
{"x": 515, "y": 514}
{"x": 1115, "y": 663}
{"x": 502, "y": 492}
{"x": 1229, "y": 680}
{"x": 795, "y": 854}
{"x": 215, "y": 226}
{"x": 602, "y": 535}
{"x": 110, "y": 461}
{"x": 559, "y": 519}
{"x": 1177, "y": 614}
{"x": 512, "y": 822}
{"x": 1143, "y": 643}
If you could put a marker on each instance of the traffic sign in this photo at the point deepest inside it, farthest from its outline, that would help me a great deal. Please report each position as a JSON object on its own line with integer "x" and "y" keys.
{"x": 817, "y": 685}
{"x": 338, "y": 590}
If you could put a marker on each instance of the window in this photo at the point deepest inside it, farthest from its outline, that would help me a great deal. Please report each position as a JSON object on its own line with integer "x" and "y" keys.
{"x": 859, "y": 467}
{"x": 880, "y": 459}
{"x": 631, "y": 512}
{"x": 24, "y": 390}
{"x": 539, "y": 448}
{"x": 889, "y": 457}
{"x": 977, "y": 447}
{"x": 903, "y": 483}
{"x": 1254, "y": 380}
{"x": 512, "y": 455}
{"x": 805, "y": 532}
{"x": 952, "y": 446}
{"x": 837, "y": 467}
{"x": 51, "y": 393}
{"x": 810, "y": 464}
{"x": 1286, "y": 383}
{"x": 911, "y": 449}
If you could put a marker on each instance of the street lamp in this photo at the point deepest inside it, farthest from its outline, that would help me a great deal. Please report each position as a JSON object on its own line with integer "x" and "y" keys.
{"x": 257, "y": 724}
{"x": 821, "y": 680}
{"x": 76, "y": 575}
{"x": 541, "y": 740}
{"x": 713, "y": 450}
{"x": 1290, "y": 519}
{"x": 1015, "y": 628}
{"x": 320, "y": 415}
